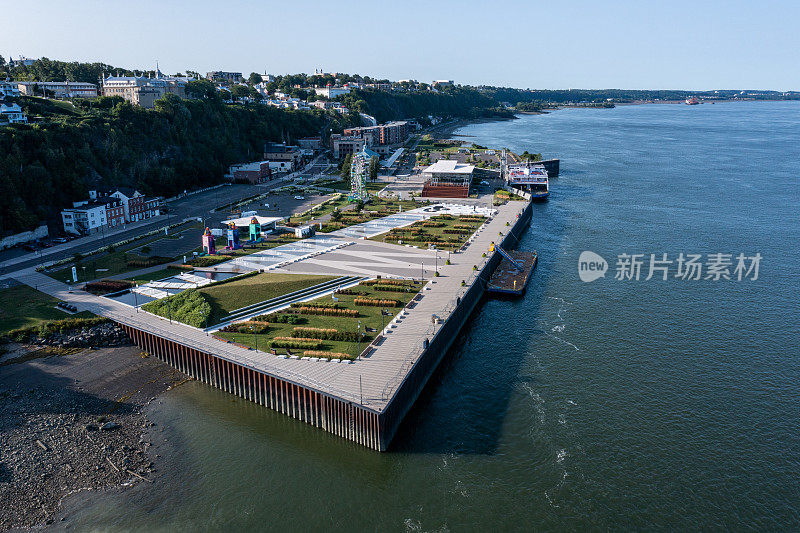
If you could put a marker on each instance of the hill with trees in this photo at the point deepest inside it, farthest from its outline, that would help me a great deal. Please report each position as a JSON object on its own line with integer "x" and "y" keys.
{"x": 181, "y": 144}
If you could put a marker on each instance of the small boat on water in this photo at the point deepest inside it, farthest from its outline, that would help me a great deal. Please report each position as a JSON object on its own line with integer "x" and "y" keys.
{"x": 692, "y": 100}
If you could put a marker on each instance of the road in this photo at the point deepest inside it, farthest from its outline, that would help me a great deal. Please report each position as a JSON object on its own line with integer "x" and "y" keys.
{"x": 198, "y": 205}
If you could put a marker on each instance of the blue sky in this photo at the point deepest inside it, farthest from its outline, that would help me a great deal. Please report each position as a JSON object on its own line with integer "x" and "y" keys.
{"x": 578, "y": 44}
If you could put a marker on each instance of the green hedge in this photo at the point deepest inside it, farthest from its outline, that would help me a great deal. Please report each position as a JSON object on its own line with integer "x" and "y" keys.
{"x": 300, "y": 344}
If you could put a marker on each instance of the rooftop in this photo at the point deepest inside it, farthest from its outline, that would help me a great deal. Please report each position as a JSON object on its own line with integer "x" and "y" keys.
{"x": 449, "y": 166}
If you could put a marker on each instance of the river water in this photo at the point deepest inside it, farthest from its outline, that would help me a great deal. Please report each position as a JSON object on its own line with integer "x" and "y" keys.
{"x": 617, "y": 404}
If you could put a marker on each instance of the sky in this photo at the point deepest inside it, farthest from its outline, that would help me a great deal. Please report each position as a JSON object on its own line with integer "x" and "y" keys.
{"x": 643, "y": 44}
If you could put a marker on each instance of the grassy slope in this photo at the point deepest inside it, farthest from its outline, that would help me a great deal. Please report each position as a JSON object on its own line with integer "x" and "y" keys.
{"x": 23, "y": 306}
{"x": 236, "y": 294}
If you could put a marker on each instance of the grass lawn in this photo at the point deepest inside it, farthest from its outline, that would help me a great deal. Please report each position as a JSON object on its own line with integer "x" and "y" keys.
{"x": 369, "y": 317}
{"x": 23, "y": 306}
{"x": 113, "y": 263}
{"x": 320, "y": 211}
{"x": 436, "y": 231}
{"x": 228, "y": 297}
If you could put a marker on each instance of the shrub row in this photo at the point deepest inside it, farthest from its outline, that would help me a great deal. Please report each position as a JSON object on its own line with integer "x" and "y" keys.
{"x": 453, "y": 231}
{"x": 209, "y": 260}
{"x": 247, "y": 327}
{"x": 327, "y": 311}
{"x": 328, "y": 355}
{"x": 463, "y": 226}
{"x": 292, "y": 342}
{"x": 383, "y": 282}
{"x": 315, "y": 304}
{"x": 105, "y": 286}
{"x": 326, "y": 334}
{"x": 392, "y": 288}
{"x": 374, "y": 302}
{"x": 148, "y": 261}
{"x": 280, "y": 318}
{"x": 350, "y": 292}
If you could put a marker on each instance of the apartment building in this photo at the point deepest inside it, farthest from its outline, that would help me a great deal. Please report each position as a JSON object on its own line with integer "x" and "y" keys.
{"x": 57, "y": 89}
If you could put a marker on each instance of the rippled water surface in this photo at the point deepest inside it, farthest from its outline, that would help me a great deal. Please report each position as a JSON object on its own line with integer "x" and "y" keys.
{"x": 610, "y": 405}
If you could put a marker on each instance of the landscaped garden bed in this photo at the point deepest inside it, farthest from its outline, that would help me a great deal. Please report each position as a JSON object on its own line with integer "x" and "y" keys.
{"x": 340, "y": 328}
{"x": 446, "y": 232}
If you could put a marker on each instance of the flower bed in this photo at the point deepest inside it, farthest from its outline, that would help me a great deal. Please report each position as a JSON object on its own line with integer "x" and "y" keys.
{"x": 377, "y": 303}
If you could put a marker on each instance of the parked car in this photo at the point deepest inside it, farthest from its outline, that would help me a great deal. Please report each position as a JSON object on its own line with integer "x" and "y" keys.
{"x": 299, "y": 197}
{"x": 484, "y": 182}
{"x": 60, "y": 240}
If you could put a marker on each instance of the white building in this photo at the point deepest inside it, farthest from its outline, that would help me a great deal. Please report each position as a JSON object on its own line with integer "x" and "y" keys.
{"x": 84, "y": 218}
{"x": 442, "y": 83}
{"x": 331, "y": 92}
{"x": 449, "y": 170}
{"x": 143, "y": 91}
{"x": 280, "y": 166}
{"x": 59, "y": 89}
{"x": 12, "y": 114}
{"x": 8, "y": 89}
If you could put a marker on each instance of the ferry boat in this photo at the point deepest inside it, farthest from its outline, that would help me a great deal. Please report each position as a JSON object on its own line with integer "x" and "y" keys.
{"x": 692, "y": 100}
{"x": 530, "y": 176}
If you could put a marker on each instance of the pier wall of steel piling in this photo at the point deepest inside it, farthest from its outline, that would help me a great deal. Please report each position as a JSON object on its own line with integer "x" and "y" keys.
{"x": 343, "y": 418}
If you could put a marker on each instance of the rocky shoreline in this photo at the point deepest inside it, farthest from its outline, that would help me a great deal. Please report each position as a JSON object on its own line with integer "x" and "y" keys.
{"x": 74, "y": 421}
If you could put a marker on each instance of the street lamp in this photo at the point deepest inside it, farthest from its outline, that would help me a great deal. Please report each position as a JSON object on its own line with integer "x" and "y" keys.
{"x": 358, "y": 338}
{"x": 422, "y": 272}
{"x": 135, "y": 298}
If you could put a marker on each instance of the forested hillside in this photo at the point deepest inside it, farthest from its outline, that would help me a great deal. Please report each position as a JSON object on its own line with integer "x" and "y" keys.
{"x": 182, "y": 144}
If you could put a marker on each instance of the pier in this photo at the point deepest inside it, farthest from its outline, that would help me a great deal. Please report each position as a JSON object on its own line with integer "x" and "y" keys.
{"x": 363, "y": 400}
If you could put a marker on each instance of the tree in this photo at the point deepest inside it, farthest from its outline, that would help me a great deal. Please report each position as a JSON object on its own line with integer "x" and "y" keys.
{"x": 202, "y": 89}
{"x": 2, "y": 63}
{"x": 255, "y": 78}
{"x": 373, "y": 168}
{"x": 346, "y": 164}
{"x": 336, "y": 215}
{"x": 359, "y": 206}
{"x": 240, "y": 91}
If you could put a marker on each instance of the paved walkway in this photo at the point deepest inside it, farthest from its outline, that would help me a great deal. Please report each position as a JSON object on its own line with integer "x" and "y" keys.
{"x": 377, "y": 377}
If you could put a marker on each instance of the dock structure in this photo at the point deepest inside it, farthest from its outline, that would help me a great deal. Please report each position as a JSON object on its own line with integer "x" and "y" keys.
{"x": 513, "y": 273}
{"x": 363, "y": 400}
